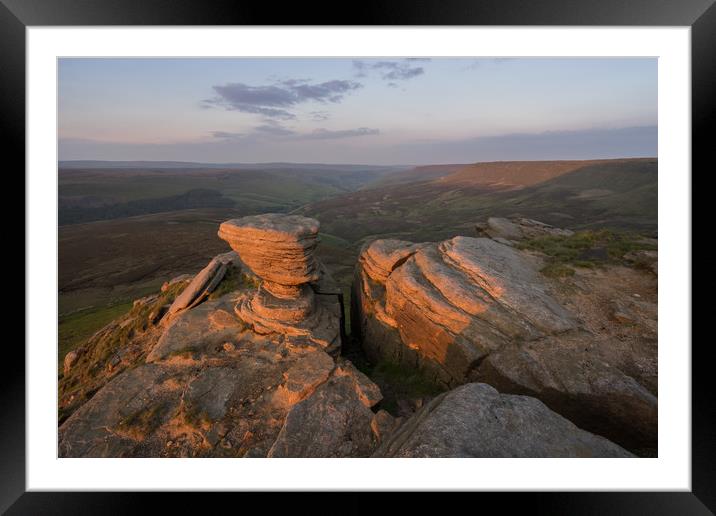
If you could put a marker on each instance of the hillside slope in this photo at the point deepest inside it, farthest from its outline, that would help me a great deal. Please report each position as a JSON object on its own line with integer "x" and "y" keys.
{"x": 619, "y": 194}
{"x": 513, "y": 174}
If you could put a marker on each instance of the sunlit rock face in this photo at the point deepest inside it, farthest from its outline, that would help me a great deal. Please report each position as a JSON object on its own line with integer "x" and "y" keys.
{"x": 279, "y": 249}
{"x": 476, "y": 310}
{"x": 452, "y": 303}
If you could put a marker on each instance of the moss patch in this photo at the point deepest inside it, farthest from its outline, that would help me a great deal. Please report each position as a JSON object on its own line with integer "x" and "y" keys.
{"x": 233, "y": 280}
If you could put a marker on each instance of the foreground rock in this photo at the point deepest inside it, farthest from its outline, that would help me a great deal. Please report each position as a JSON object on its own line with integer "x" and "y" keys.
{"x": 475, "y": 310}
{"x": 252, "y": 373}
{"x": 475, "y": 420}
{"x": 214, "y": 388}
{"x": 578, "y": 384}
{"x": 444, "y": 307}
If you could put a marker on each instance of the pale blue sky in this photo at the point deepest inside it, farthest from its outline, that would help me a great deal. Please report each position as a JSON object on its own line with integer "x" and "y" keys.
{"x": 355, "y": 110}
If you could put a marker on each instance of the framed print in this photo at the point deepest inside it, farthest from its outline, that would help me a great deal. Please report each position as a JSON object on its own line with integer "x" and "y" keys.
{"x": 427, "y": 248}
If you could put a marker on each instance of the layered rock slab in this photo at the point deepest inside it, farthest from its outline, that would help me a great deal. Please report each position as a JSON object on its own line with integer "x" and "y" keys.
{"x": 473, "y": 309}
{"x": 279, "y": 249}
{"x": 475, "y": 420}
{"x": 451, "y": 304}
{"x": 202, "y": 284}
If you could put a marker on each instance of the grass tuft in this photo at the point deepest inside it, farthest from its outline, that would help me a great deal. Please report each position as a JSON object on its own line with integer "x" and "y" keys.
{"x": 585, "y": 249}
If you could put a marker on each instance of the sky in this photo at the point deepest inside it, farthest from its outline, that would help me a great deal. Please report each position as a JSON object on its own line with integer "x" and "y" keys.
{"x": 383, "y": 111}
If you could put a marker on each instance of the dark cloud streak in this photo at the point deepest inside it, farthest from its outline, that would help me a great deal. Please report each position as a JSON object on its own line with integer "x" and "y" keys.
{"x": 325, "y": 134}
{"x": 273, "y": 101}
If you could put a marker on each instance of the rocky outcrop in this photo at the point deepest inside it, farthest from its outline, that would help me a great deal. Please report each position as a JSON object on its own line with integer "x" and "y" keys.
{"x": 444, "y": 307}
{"x": 279, "y": 249}
{"x": 516, "y": 229}
{"x": 475, "y": 420}
{"x": 246, "y": 362}
{"x": 473, "y": 309}
{"x": 214, "y": 388}
{"x": 252, "y": 373}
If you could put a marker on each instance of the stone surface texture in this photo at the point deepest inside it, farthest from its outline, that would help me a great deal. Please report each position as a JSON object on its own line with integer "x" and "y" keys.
{"x": 475, "y": 420}
{"x": 475, "y": 310}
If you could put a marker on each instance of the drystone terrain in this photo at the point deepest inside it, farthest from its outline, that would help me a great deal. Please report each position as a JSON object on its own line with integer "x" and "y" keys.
{"x": 244, "y": 359}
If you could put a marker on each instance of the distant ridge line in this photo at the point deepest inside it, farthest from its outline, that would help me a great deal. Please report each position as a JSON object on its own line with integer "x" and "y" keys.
{"x": 105, "y": 164}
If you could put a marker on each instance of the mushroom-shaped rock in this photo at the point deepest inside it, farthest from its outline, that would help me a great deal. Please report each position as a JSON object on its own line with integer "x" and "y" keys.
{"x": 279, "y": 249}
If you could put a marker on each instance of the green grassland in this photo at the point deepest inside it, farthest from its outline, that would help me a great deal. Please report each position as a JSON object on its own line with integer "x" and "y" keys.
{"x": 76, "y": 328}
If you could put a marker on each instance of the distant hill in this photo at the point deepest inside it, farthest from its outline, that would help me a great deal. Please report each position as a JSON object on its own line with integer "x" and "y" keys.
{"x": 423, "y": 173}
{"x": 87, "y": 194}
{"x": 70, "y": 212}
{"x": 621, "y": 194}
{"x": 155, "y": 165}
{"x": 508, "y": 174}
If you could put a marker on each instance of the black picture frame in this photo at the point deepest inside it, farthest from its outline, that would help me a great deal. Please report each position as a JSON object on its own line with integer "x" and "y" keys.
{"x": 17, "y": 15}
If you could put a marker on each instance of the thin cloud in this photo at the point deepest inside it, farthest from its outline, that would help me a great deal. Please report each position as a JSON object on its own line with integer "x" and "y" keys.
{"x": 396, "y": 71}
{"x": 326, "y": 134}
{"x": 391, "y": 70}
{"x": 274, "y": 101}
{"x": 274, "y": 129}
{"x": 226, "y": 135}
{"x": 319, "y": 116}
